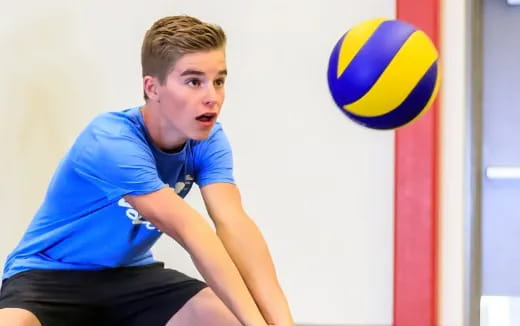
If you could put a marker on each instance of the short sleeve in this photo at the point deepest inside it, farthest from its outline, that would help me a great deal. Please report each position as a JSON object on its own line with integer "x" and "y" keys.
{"x": 213, "y": 159}
{"x": 117, "y": 160}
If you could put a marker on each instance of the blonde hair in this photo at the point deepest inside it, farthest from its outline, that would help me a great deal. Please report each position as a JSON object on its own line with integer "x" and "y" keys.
{"x": 171, "y": 37}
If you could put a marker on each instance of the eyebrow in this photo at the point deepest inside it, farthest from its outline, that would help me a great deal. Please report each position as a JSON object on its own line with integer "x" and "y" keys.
{"x": 200, "y": 73}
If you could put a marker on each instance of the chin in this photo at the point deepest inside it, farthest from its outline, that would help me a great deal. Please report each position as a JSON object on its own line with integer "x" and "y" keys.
{"x": 201, "y": 135}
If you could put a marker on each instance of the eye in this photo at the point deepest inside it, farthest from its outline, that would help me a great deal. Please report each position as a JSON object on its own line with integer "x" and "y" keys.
{"x": 220, "y": 82}
{"x": 194, "y": 82}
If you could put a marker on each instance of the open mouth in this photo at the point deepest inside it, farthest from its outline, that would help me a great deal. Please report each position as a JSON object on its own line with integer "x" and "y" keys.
{"x": 206, "y": 117}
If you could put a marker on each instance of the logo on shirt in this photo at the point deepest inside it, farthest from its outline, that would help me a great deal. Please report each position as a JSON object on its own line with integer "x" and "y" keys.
{"x": 180, "y": 186}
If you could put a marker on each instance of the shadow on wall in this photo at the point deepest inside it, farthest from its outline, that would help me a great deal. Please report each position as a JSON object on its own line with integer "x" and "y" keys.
{"x": 42, "y": 80}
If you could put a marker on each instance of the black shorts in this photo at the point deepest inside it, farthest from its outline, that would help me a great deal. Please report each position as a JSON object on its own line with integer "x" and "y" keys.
{"x": 131, "y": 296}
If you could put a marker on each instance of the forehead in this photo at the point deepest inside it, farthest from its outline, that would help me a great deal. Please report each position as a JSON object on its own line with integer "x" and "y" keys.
{"x": 211, "y": 61}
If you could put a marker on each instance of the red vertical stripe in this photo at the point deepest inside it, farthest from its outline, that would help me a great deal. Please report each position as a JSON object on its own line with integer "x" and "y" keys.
{"x": 416, "y": 205}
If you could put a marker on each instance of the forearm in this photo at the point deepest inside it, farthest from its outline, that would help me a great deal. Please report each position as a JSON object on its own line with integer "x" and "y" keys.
{"x": 249, "y": 251}
{"x": 189, "y": 228}
{"x": 219, "y": 271}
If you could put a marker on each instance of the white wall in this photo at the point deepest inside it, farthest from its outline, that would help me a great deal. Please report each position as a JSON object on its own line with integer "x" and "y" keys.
{"x": 453, "y": 150}
{"x": 319, "y": 186}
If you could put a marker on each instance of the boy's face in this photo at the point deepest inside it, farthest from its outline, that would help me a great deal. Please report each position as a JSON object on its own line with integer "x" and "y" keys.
{"x": 193, "y": 93}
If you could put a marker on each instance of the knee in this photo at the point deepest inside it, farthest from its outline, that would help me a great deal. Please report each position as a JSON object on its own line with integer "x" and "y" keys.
{"x": 18, "y": 317}
{"x": 205, "y": 308}
{"x": 209, "y": 305}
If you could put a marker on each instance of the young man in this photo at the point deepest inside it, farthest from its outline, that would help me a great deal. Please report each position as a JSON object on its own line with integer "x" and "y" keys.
{"x": 85, "y": 258}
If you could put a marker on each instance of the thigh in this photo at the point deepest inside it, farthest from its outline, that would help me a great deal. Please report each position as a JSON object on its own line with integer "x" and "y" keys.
{"x": 18, "y": 317}
{"x": 205, "y": 308}
{"x": 53, "y": 298}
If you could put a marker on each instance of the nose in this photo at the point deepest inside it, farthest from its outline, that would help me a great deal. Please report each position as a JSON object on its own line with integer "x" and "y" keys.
{"x": 212, "y": 97}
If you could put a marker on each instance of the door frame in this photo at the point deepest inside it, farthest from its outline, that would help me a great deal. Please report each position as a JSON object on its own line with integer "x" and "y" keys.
{"x": 474, "y": 169}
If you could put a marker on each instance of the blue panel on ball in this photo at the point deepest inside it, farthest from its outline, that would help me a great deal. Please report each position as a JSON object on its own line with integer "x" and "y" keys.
{"x": 332, "y": 71}
{"x": 368, "y": 64}
{"x": 408, "y": 110}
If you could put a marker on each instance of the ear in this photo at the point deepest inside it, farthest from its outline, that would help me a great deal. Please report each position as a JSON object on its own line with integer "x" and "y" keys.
{"x": 151, "y": 87}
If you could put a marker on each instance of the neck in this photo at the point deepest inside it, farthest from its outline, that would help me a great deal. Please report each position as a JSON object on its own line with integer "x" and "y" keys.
{"x": 164, "y": 136}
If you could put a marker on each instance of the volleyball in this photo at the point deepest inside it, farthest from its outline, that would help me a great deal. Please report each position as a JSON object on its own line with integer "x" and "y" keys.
{"x": 383, "y": 73}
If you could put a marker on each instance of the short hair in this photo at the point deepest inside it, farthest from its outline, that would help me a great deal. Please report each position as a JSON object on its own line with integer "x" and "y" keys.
{"x": 170, "y": 38}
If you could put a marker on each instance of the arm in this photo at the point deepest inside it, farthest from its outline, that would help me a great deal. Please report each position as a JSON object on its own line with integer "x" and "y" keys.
{"x": 172, "y": 215}
{"x": 247, "y": 248}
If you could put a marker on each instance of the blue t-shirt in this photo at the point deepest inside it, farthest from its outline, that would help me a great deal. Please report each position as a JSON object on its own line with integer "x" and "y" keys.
{"x": 84, "y": 223}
